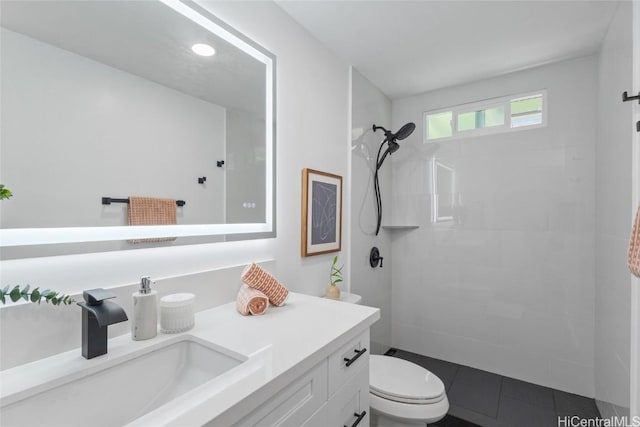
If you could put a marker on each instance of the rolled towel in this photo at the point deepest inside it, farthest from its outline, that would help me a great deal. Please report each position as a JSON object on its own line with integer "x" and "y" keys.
{"x": 259, "y": 279}
{"x": 633, "y": 259}
{"x": 251, "y": 301}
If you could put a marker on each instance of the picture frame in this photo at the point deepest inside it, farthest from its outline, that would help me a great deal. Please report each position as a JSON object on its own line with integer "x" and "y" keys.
{"x": 321, "y": 212}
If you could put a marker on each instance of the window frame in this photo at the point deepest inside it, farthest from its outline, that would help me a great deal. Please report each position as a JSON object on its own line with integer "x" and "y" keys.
{"x": 503, "y": 101}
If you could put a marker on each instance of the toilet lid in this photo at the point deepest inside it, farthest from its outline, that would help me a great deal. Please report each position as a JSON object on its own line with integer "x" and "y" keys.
{"x": 402, "y": 381}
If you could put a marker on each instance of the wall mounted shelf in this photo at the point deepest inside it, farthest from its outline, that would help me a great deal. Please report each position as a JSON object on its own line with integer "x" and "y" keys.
{"x": 400, "y": 227}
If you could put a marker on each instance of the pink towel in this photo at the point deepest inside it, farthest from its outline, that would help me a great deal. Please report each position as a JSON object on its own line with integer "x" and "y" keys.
{"x": 251, "y": 301}
{"x": 259, "y": 279}
{"x": 151, "y": 211}
{"x": 634, "y": 247}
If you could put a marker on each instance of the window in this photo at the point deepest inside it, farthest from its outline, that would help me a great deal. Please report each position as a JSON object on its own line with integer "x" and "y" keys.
{"x": 439, "y": 125}
{"x": 526, "y": 111}
{"x": 487, "y": 117}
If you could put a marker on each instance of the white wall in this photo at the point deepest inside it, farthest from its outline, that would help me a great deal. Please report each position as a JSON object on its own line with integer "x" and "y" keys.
{"x": 613, "y": 217}
{"x": 635, "y": 283}
{"x": 83, "y": 130}
{"x": 312, "y": 131}
{"x": 510, "y": 289}
{"x": 369, "y": 106}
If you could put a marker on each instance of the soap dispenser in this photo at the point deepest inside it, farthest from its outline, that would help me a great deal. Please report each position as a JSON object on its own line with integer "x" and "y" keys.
{"x": 145, "y": 311}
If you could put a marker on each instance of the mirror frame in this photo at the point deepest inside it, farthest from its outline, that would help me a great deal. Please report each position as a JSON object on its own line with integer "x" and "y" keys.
{"x": 200, "y": 16}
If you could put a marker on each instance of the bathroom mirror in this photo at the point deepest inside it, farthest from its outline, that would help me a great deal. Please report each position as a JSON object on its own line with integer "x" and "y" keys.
{"x": 113, "y": 99}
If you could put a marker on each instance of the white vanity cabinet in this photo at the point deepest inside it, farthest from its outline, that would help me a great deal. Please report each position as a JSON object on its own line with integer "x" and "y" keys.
{"x": 334, "y": 393}
{"x": 304, "y": 364}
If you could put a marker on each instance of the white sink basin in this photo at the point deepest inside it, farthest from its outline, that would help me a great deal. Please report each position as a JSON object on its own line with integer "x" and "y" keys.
{"x": 166, "y": 378}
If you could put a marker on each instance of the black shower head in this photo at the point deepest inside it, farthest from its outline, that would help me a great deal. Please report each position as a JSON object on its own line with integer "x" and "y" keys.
{"x": 405, "y": 131}
{"x": 393, "y": 147}
{"x": 391, "y": 138}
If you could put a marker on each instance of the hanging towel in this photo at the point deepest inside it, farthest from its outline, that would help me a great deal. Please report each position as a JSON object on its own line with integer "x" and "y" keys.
{"x": 152, "y": 211}
{"x": 259, "y": 279}
{"x": 251, "y": 301}
{"x": 634, "y": 247}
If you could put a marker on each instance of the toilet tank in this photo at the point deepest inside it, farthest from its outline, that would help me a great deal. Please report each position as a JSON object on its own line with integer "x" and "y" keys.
{"x": 349, "y": 297}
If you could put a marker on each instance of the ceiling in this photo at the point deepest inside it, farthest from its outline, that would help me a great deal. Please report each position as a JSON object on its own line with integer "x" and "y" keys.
{"x": 146, "y": 39}
{"x": 410, "y": 47}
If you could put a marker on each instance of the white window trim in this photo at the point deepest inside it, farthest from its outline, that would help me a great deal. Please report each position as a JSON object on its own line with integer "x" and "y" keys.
{"x": 504, "y": 101}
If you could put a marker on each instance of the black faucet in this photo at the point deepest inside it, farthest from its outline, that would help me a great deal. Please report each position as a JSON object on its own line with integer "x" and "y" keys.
{"x": 97, "y": 315}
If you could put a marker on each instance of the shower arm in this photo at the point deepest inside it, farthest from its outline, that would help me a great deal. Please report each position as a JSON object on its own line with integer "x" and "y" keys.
{"x": 388, "y": 136}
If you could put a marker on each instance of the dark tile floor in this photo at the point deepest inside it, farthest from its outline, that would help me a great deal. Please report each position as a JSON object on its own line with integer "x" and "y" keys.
{"x": 480, "y": 398}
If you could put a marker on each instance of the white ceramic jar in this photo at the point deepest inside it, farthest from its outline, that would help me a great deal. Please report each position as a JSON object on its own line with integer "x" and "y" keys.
{"x": 177, "y": 313}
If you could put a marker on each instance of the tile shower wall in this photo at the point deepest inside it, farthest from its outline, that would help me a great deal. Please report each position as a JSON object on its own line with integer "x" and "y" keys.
{"x": 613, "y": 218}
{"x": 508, "y": 287}
{"x": 369, "y": 106}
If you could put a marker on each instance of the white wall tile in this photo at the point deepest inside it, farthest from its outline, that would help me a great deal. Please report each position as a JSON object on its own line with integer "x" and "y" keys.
{"x": 509, "y": 288}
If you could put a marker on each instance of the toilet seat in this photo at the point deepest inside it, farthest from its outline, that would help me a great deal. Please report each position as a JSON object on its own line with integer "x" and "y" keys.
{"x": 401, "y": 381}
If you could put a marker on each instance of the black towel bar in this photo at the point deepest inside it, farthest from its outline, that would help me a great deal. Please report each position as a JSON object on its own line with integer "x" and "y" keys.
{"x": 109, "y": 200}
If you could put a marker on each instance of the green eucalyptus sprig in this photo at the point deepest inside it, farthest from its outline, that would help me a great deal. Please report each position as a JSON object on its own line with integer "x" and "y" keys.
{"x": 336, "y": 272}
{"x": 5, "y": 193}
{"x": 36, "y": 295}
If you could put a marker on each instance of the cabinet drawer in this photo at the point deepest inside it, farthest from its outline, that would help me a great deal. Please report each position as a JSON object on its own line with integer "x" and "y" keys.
{"x": 350, "y": 405}
{"x": 320, "y": 418}
{"x": 341, "y": 371}
{"x": 295, "y": 404}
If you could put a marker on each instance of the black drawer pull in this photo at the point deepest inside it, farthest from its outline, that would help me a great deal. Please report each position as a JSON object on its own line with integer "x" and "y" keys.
{"x": 360, "y": 417}
{"x": 354, "y": 358}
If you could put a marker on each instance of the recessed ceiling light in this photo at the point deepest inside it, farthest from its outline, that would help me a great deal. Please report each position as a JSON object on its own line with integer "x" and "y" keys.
{"x": 203, "y": 49}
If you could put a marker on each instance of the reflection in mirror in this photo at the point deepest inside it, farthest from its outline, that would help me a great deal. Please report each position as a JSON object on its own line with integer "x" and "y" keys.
{"x": 108, "y": 99}
{"x": 443, "y": 191}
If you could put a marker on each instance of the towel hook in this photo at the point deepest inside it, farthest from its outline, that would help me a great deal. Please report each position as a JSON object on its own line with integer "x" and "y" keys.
{"x": 626, "y": 97}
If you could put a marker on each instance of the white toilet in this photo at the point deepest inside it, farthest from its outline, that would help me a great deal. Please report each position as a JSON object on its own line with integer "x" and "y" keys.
{"x": 401, "y": 393}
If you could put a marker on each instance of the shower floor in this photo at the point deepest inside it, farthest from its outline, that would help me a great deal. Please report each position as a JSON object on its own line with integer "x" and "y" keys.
{"x": 481, "y": 398}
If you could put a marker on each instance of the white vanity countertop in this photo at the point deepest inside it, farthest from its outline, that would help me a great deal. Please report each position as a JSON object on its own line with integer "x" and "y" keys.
{"x": 300, "y": 334}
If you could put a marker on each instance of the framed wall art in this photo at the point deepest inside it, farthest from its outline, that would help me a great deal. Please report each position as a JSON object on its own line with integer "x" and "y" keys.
{"x": 321, "y": 212}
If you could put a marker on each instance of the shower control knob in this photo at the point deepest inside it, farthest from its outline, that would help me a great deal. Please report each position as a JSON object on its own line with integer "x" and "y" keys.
{"x": 375, "y": 258}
